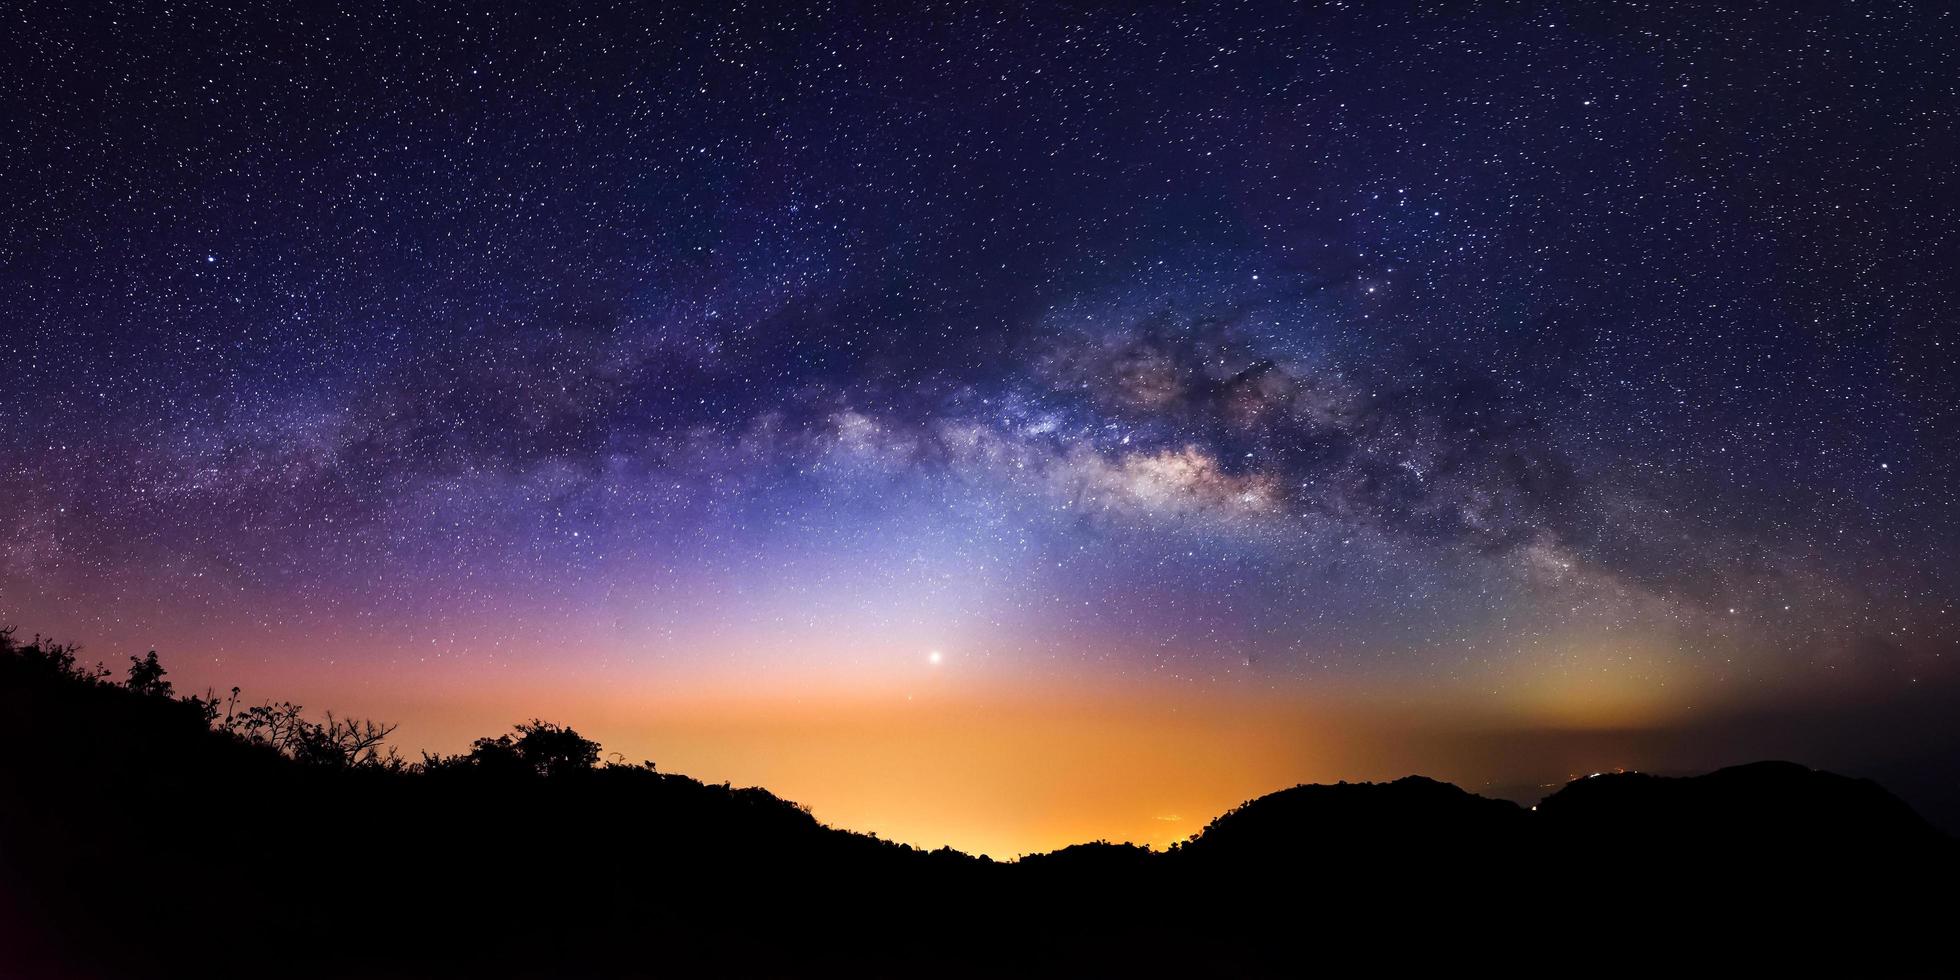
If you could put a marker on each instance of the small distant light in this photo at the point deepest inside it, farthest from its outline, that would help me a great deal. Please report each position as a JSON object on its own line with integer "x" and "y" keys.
{"x": 935, "y": 658}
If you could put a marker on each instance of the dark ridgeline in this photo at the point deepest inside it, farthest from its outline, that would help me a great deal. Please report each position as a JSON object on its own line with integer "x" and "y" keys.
{"x": 143, "y": 833}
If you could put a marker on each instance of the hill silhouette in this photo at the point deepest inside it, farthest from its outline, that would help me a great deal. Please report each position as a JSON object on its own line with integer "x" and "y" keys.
{"x": 147, "y": 833}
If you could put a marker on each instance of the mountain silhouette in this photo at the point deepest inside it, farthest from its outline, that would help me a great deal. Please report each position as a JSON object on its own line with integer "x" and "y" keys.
{"x": 1413, "y": 819}
{"x": 1760, "y": 807}
{"x": 144, "y": 833}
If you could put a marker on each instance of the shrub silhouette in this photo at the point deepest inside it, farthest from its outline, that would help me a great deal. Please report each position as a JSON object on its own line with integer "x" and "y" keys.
{"x": 539, "y": 748}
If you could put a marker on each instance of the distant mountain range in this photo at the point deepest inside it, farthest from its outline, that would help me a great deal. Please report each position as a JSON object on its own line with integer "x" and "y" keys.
{"x": 146, "y": 834}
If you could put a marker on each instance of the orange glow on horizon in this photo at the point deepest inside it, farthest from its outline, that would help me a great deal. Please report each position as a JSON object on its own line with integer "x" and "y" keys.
{"x": 993, "y": 764}
{"x": 988, "y": 754}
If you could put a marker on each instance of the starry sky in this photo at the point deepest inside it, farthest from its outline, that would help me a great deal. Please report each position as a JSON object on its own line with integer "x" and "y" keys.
{"x": 1004, "y": 424}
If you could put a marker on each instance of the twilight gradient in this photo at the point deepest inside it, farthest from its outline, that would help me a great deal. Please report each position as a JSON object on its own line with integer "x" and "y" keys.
{"x": 1004, "y": 425}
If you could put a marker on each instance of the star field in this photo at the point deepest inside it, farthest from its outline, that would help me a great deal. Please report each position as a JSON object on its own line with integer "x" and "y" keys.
{"x": 1586, "y": 366}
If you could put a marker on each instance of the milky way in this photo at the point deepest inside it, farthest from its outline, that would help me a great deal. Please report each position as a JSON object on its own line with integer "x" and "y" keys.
{"x": 1508, "y": 354}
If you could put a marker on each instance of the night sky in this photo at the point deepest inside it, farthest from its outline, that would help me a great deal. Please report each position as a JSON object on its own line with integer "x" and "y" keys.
{"x": 1004, "y": 424}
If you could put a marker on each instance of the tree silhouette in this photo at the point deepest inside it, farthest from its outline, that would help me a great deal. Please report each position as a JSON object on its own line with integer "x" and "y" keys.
{"x": 341, "y": 743}
{"x": 146, "y": 677}
{"x": 540, "y": 748}
{"x": 554, "y": 750}
{"x": 273, "y": 724}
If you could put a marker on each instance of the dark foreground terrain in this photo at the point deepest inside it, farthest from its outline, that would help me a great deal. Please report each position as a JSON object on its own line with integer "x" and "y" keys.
{"x": 143, "y": 833}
